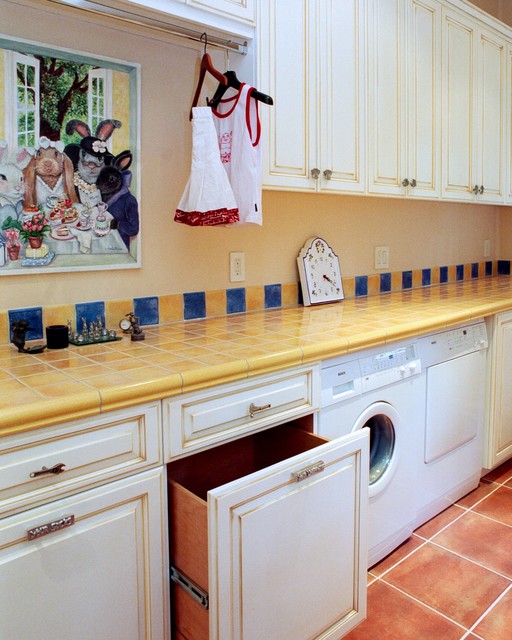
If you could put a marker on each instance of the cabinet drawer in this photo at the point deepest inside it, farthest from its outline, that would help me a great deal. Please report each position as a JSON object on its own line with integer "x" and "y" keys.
{"x": 199, "y": 420}
{"x": 268, "y": 537}
{"x": 91, "y": 451}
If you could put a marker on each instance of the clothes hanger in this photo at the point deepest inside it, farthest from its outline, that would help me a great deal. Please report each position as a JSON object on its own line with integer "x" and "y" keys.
{"x": 206, "y": 66}
{"x": 234, "y": 83}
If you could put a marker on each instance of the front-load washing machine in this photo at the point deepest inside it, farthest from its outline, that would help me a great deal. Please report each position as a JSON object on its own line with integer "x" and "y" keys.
{"x": 451, "y": 452}
{"x": 382, "y": 390}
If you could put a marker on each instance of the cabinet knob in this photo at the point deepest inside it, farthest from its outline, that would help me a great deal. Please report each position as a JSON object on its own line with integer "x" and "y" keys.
{"x": 476, "y": 189}
{"x": 405, "y": 182}
{"x": 327, "y": 174}
{"x": 413, "y": 183}
{"x": 481, "y": 190}
{"x": 315, "y": 173}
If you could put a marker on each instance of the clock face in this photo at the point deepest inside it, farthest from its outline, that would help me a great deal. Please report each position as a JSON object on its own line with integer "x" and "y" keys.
{"x": 320, "y": 273}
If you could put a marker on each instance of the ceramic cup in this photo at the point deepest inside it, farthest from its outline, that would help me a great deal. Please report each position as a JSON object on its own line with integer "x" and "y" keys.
{"x": 57, "y": 336}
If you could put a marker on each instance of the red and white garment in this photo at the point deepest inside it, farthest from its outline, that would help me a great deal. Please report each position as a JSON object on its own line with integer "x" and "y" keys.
{"x": 238, "y": 127}
{"x": 208, "y": 198}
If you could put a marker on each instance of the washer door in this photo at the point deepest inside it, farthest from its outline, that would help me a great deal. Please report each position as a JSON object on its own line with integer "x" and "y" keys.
{"x": 383, "y": 422}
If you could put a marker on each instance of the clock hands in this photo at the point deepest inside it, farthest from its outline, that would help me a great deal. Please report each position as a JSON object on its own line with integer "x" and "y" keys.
{"x": 329, "y": 280}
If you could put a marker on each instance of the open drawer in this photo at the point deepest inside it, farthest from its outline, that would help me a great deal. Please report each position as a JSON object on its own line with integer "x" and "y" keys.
{"x": 268, "y": 537}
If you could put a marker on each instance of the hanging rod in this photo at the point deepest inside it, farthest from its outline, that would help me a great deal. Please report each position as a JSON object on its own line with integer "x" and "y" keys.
{"x": 155, "y": 23}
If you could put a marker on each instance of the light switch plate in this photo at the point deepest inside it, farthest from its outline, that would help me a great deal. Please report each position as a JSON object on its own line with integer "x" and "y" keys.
{"x": 381, "y": 257}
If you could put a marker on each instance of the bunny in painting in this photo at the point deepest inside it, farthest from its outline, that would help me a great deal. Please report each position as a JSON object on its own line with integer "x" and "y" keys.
{"x": 114, "y": 182}
{"x": 89, "y": 157}
{"x": 49, "y": 174}
{"x": 12, "y": 183}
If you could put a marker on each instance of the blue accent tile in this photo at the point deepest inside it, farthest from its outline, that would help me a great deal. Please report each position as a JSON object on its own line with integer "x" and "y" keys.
{"x": 361, "y": 286}
{"x": 474, "y": 270}
{"x": 459, "y": 272}
{"x": 504, "y": 267}
{"x": 90, "y": 311}
{"x": 426, "y": 277}
{"x": 385, "y": 282}
{"x": 235, "y": 300}
{"x": 406, "y": 279}
{"x": 443, "y": 274}
{"x": 146, "y": 310}
{"x": 272, "y": 296}
{"x": 194, "y": 305}
{"x": 34, "y": 317}
{"x": 488, "y": 268}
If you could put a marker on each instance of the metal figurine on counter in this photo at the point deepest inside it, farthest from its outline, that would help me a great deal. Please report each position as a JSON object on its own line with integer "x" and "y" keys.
{"x": 92, "y": 333}
{"x": 19, "y": 335}
{"x": 131, "y": 324}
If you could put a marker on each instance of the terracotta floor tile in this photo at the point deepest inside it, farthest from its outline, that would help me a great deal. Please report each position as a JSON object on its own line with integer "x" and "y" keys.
{"x": 498, "y": 505}
{"x": 483, "y": 490}
{"x": 501, "y": 474}
{"x": 433, "y": 526}
{"x": 480, "y": 539}
{"x": 456, "y": 587}
{"x": 394, "y": 616}
{"x": 497, "y": 623}
{"x": 399, "y": 554}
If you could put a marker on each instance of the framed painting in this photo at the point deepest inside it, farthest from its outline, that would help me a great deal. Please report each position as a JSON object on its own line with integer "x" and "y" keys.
{"x": 69, "y": 161}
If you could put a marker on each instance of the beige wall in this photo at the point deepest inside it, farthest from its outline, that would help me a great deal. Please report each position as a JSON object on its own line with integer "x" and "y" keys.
{"x": 176, "y": 258}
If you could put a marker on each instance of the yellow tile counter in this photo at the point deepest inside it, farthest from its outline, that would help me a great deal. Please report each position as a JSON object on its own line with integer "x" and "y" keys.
{"x": 60, "y": 385}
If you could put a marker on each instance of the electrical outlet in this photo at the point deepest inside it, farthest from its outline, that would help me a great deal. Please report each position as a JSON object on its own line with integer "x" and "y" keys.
{"x": 237, "y": 266}
{"x": 382, "y": 257}
{"x": 487, "y": 248}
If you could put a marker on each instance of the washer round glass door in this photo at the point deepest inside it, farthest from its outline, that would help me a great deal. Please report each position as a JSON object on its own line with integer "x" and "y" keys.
{"x": 383, "y": 422}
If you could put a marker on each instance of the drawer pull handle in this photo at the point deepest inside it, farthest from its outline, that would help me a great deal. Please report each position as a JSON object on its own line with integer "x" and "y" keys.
{"x": 253, "y": 408}
{"x": 305, "y": 473}
{"x": 50, "y": 527}
{"x": 56, "y": 469}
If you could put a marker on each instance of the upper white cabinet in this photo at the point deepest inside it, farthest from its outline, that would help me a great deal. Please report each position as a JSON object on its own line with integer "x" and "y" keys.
{"x": 312, "y": 60}
{"x": 241, "y": 9}
{"x": 400, "y": 98}
{"x": 218, "y": 17}
{"x": 474, "y": 81}
{"x": 404, "y": 78}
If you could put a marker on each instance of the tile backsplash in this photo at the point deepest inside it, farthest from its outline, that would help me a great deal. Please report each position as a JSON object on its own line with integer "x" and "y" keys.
{"x": 152, "y": 310}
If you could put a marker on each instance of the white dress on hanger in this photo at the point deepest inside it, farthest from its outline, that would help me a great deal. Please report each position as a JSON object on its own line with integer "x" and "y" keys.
{"x": 208, "y": 199}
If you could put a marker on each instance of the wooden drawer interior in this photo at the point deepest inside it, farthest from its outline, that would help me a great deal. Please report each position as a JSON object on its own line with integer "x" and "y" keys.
{"x": 189, "y": 481}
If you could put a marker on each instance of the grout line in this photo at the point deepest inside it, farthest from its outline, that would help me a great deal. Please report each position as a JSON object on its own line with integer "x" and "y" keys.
{"x": 427, "y": 606}
{"x": 489, "y": 609}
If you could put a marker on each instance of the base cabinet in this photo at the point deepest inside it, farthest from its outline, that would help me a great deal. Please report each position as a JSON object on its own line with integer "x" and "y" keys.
{"x": 270, "y": 530}
{"x": 76, "y": 577}
{"x": 498, "y": 438}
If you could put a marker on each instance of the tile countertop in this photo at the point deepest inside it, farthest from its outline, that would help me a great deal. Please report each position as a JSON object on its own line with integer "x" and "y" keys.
{"x": 77, "y": 382}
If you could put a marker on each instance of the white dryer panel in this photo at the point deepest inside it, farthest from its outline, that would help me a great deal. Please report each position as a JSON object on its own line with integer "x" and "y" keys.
{"x": 454, "y": 404}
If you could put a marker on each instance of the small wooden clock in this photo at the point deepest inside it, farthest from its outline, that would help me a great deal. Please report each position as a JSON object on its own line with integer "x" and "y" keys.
{"x": 320, "y": 273}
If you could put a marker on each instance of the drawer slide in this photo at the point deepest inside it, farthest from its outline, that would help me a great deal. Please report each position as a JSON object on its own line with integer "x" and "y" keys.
{"x": 190, "y": 587}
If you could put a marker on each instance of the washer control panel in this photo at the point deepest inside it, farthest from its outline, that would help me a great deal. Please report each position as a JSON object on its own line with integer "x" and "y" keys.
{"x": 389, "y": 366}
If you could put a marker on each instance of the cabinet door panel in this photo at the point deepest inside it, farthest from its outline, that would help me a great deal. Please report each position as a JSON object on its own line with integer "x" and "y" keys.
{"x": 341, "y": 69}
{"x": 498, "y": 438}
{"x": 94, "y": 579}
{"x": 287, "y": 44}
{"x": 387, "y": 98}
{"x": 424, "y": 81}
{"x": 459, "y": 90}
{"x": 318, "y": 537}
{"x": 492, "y": 126}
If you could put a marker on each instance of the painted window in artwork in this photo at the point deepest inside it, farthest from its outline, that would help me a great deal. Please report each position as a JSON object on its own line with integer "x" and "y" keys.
{"x": 22, "y": 77}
